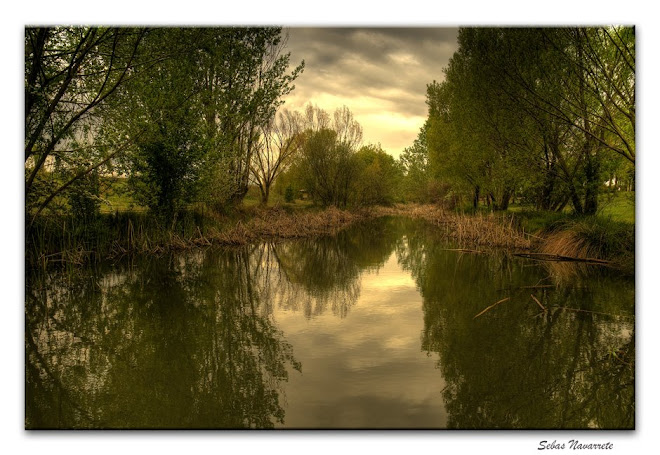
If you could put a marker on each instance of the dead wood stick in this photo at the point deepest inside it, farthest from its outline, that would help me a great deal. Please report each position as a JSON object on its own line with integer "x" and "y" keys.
{"x": 557, "y": 257}
{"x": 538, "y": 303}
{"x": 488, "y": 308}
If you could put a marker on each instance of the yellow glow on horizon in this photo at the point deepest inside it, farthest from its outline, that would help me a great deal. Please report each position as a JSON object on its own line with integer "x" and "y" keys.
{"x": 394, "y": 131}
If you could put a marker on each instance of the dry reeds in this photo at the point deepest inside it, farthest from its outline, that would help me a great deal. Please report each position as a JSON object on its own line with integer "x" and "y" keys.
{"x": 263, "y": 223}
{"x": 486, "y": 230}
{"x": 277, "y": 223}
{"x": 128, "y": 234}
{"x": 569, "y": 244}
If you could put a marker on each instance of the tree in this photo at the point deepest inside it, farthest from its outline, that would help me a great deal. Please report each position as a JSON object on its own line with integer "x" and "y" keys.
{"x": 196, "y": 117}
{"x": 414, "y": 166}
{"x": 244, "y": 75}
{"x": 378, "y": 176}
{"x": 281, "y": 140}
{"x": 534, "y": 111}
{"x": 327, "y": 167}
{"x": 160, "y": 111}
{"x": 69, "y": 73}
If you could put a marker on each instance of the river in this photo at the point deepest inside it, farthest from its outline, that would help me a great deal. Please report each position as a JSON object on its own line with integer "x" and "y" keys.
{"x": 380, "y": 326}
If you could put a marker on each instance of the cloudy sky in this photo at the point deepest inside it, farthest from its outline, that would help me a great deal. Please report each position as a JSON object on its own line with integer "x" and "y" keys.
{"x": 379, "y": 73}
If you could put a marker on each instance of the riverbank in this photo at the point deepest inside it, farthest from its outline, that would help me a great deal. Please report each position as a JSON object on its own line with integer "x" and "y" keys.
{"x": 67, "y": 241}
{"x": 543, "y": 236}
{"x": 109, "y": 236}
{"x": 489, "y": 230}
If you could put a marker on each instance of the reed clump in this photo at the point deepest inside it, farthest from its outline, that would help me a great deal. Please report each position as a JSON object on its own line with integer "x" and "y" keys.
{"x": 484, "y": 230}
{"x": 591, "y": 238}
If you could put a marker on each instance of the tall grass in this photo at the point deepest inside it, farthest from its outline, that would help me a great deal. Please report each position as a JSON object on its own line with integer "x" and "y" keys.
{"x": 66, "y": 240}
{"x": 592, "y": 237}
{"x": 480, "y": 229}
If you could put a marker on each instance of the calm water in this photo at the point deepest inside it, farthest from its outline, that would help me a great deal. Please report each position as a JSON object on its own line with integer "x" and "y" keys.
{"x": 373, "y": 328}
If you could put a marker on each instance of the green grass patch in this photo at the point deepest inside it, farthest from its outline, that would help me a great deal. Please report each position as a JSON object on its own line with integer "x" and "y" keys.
{"x": 619, "y": 206}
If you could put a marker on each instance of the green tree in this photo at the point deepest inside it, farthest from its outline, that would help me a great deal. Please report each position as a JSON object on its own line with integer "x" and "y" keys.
{"x": 378, "y": 176}
{"x": 70, "y": 73}
{"x": 327, "y": 167}
{"x": 414, "y": 166}
{"x": 534, "y": 111}
{"x": 244, "y": 75}
{"x": 166, "y": 164}
{"x": 198, "y": 115}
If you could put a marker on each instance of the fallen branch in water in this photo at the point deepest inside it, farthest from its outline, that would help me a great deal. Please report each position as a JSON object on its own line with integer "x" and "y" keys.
{"x": 494, "y": 304}
{"x": 556, "y": 257}
{"x": 538, "y": 303}
{"x": 463, "y": 250}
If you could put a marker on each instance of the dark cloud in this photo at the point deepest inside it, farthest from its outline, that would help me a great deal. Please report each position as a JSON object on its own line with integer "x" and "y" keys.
{"x": 374, "y": 71}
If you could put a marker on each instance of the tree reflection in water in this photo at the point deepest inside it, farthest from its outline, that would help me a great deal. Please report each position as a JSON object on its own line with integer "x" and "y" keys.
{"x": 181, "y": 343}
{"x": 189, "y": 340}
{"x": 325, "y": 272}
{"x": 516, "y": 366}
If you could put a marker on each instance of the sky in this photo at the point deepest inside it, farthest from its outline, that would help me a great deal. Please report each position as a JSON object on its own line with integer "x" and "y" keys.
{"x": 379, "y": 73}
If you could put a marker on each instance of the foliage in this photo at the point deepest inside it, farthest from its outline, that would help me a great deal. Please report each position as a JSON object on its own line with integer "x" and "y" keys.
{"x": 84, "y": 197}
{"x": 289, "y": 194}
{"x": 70, "y": 72}
{"x": 414, "y": 165}
{"x": 543, "y": 114}
{"x": 176, "y": 109}
{"x": 378, "y": 176}
{"x": 327, "y": 167}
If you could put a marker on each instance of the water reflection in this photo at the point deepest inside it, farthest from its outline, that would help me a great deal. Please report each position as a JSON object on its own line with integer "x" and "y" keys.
{"x": 186, "y": 342}
{"x": 324, "y": 273}
{"x": 517, "y": 366}
{"x": 374, "y": 327}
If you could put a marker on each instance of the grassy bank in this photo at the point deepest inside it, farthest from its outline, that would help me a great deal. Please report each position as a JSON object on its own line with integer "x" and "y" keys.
{"x": 65, "y": 240}
{"x": 601, "y": 239}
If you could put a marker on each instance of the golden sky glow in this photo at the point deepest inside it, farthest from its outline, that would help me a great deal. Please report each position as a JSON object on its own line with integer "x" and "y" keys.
{"x": 379, "y": 73}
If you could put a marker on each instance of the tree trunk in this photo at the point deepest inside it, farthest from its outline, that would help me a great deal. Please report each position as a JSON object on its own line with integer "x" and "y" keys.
{"x": 506, "y": 197}
{"x": 575, "y": 200}
{"x": 592, "y": 185}
{"x": 265, "y": 193}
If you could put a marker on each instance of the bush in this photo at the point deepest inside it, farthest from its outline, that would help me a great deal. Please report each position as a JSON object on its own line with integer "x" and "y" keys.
{"x": 289, "y": 194}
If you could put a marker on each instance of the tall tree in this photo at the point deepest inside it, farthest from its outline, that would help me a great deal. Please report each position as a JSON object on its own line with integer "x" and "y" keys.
{"x": 378, "y": 176}
{"x": 199, "y": 113}
{"x": 537, "y": 111}
{"x": 414, "y": 167}
{"x": 245, "y": 74}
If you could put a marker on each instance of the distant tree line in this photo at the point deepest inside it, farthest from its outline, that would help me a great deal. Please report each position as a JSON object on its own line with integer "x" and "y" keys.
{"x": 545, "y": 115}
{"x": 334, "y": 167}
